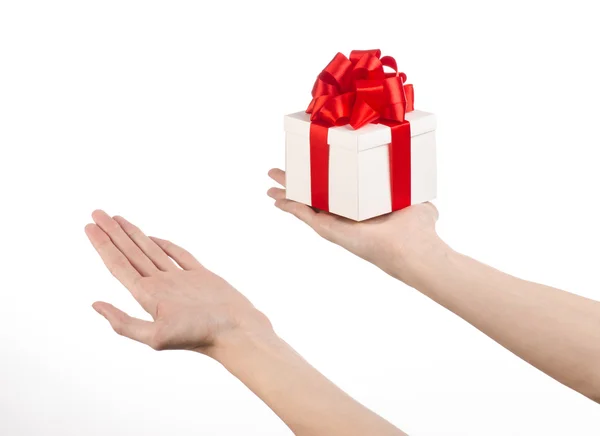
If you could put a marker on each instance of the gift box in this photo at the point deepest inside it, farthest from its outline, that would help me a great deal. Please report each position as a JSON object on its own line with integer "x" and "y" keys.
{"x": 360, "y": 150}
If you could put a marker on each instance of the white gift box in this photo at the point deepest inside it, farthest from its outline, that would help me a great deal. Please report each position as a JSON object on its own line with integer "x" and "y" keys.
{"x": 359, "y": 166}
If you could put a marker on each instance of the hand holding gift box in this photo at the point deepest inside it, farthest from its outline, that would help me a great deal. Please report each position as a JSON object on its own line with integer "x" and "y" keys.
{"x": 360, "y": 149}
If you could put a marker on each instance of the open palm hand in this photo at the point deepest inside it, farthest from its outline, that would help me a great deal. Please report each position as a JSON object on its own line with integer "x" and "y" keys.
{"x": 192, "y": 307}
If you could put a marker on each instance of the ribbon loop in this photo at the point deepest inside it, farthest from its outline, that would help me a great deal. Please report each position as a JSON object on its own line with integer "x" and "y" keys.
{"x": 358, "y": 91}
{"x": 335, "y": 72}
{"x": 355, "y": 55}
{"x": 336, "y": 110}
{"x": 389, "y": 61}
{"x": 394, "y": 90}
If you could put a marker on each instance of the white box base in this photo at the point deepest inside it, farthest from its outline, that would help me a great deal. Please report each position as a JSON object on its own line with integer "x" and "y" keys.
{"x": 359, "y": 175}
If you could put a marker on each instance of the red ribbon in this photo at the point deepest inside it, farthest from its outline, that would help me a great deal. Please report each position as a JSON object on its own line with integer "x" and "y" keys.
{"x": 319, "y": 166}
{"x": 357, "y": 91}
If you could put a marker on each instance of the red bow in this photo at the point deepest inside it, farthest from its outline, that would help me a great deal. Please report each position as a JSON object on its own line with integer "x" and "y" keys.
{"x": 357, "y": 91}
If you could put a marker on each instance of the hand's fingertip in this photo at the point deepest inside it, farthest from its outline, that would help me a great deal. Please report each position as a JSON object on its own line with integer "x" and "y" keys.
{"x": 97, "y": 306}
{"x": 278, "y": 175}
{"x": 94, "y": 233}
{"x": 98, "y": 213}
{"x": 274, "y": 193}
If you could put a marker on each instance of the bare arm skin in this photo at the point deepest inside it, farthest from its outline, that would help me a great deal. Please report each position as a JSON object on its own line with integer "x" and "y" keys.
{"x": 555, "y": 331}
{"x": 194, "y": 309}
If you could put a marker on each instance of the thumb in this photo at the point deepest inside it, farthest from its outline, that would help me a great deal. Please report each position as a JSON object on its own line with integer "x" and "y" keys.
{"x": 125, "y": 325}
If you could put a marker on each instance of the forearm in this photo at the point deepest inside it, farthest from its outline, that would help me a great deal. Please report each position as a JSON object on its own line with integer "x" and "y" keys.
{"x": 557, "y": 332}
{"x": 304, "y": 399}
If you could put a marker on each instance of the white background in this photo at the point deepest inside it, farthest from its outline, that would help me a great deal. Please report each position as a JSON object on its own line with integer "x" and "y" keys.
{"x": 170, "y": 114}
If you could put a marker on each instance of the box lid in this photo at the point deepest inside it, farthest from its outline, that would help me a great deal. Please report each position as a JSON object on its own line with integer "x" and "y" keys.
{"x": 369, "y": 136}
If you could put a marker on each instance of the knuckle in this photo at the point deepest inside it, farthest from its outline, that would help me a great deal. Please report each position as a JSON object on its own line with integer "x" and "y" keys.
{"x": 186, "y": 255}
{"x": 112, "y": 226}
{"x": 134, "y": 232}
{"x": 105, "y": 243}
{"x": 117, "y": 265}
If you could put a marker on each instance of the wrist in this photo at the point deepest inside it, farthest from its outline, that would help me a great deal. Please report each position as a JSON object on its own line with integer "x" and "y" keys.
{"x": 233, "y": 346}
{"x": 420, "y": 258}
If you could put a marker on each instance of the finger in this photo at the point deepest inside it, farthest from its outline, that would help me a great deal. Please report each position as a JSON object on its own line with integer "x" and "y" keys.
{"x": 115, "y": 261}
{"x": 183, "y": 258}
{"x": 276, "y": 193}
{"x": 124, "y": 243}
{"x": 147, "y": 245}
{"x": 125, "y": 325}
{"x": 277, "y": 175}
{"x": 300, "y": 211}
{"x": 325, "y": 224}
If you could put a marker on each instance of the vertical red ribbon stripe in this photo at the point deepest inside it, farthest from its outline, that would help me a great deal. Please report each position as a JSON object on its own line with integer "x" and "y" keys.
{"x": 319, "y": 166}
{"x": 400, "y": 171}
